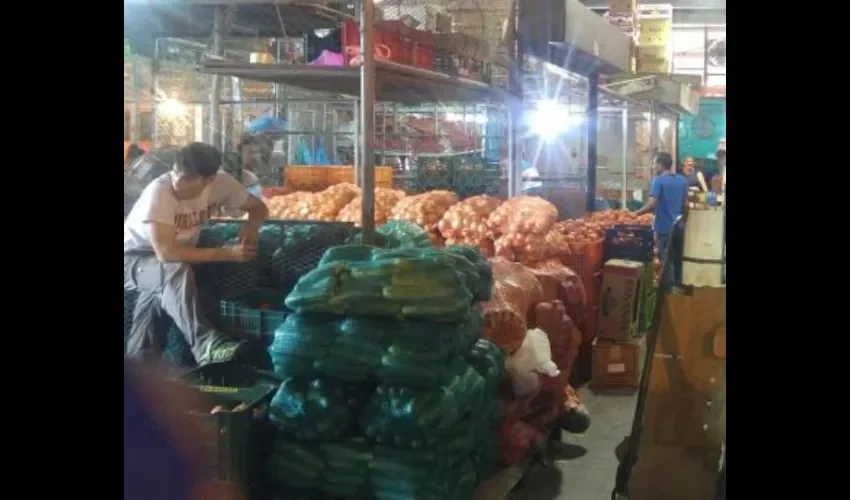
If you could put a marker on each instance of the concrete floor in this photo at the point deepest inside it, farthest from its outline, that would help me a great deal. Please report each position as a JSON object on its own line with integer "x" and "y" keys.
{"x": 585, "y": 466}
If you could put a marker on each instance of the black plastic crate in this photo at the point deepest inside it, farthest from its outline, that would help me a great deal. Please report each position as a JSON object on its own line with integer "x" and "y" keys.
{"x": 257, "y": 313}
{"x": 233, "y": 417}
{"x": 629, "y": 242}
{"x": 304, "y": 244}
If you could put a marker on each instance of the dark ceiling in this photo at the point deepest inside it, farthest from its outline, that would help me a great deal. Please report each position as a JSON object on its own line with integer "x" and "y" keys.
{"x": 146, "y": 22}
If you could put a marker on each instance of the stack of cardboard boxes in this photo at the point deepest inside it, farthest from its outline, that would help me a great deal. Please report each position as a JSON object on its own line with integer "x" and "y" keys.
{"x": 655, "y": 51}
{"x": 616, "y": 350}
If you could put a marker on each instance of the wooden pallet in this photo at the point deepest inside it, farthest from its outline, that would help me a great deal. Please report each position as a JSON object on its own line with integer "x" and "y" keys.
{"x": 502, "y": 482}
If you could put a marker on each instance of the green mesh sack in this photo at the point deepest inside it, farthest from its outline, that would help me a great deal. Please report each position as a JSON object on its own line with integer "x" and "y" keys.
{"x": 365, "y": 281}
{"x": 410, "y": 418}
{"x": 340, "y": 469}
{"x": 411, "y": 474}
{"x": 400, "y": 233}
{"x": 489, "y": 361}
{"x": 480, "y": 281}
{"x": 413, "y": 353}
{"x": 317, "y": 408}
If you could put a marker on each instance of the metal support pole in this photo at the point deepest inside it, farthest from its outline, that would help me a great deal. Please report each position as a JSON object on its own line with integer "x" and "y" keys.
{"x": 366, "y": 175}
{"x": 625, "y": 188}
{"x": 155, "y": 142}
{"x": 215, "y": 82}
{"x": 515, "y": 104}
{"x": 592, "y": 137}
{"x": 653, "y": 136}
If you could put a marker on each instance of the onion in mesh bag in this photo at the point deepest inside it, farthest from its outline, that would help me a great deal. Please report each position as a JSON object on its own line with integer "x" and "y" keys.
{"x": 385, "y": 200}
{"x": 424, "y": 209}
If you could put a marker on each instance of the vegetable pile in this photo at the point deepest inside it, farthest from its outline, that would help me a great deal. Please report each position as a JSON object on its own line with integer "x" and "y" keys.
{"x": 524, "y": 230}
{"x": 388, "y": 392}
{"x": 466, "y": 223}
{"x": 385, "y": 200}
{"x": 425, "y": 209}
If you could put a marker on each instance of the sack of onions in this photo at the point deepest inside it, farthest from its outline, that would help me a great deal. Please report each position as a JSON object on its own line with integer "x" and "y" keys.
{"x": 385, "y": 200}
{"x": 424, "y": 210}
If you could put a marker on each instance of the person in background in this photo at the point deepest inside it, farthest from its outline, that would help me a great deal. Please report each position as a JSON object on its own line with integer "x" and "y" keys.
{"x": 133, "y": 152}
{"x": 249, "y": 150}
{"x": 668, "y": 197}
{"x": 160, "y": 237}
{"x": 696, "y": 180}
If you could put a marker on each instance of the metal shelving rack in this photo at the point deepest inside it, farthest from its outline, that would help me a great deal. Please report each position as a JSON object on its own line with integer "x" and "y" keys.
{"x": 375, "y": 78}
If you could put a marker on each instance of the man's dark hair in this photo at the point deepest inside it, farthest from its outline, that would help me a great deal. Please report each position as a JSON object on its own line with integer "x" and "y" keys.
{"x": 665, "y": 160}
{"x": 721, "y": 154}
{"x": 134, "y": 151}
{"x": 198, "y": 159}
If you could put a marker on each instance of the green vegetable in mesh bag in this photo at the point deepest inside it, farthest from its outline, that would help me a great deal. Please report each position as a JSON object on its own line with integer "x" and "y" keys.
{"x": 411, "y": 418}
{"x": 481, "y": 282}
{"x": 341, "y": 469}
{"x": 488, "y": 360}
{"x": 317, "y": 408}
{"x": 410, "y": 474}
{"x": 418, "y": 351}
{"x": 295, "y": 464}
{"x": 303, "y": 340}
{"x": 412, "y": 353}
{"x": 404, "y": 283}
{"x": 404, "y": 234}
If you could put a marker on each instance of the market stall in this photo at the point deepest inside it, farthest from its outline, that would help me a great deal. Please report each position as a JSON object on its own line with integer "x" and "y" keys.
{"x": 399, "y": 327}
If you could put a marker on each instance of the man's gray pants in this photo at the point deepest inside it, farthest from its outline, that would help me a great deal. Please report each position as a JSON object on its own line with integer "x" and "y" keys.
{"x": 164, "y": 289}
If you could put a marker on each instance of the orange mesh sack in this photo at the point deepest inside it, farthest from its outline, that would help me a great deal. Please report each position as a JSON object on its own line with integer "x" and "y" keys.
{"x": 517, "y": 439}
{"x": 424, "y": 210}
{"x": 564, "y": 336}
{"x": 466, "y": 223}
{"x": 531, "y": 248}
{"x": 515, "y": 289}
{"x": 327, "y": 204}
{"x": 523, "y": 214}
{"x": 560, "y": 283}
{"x": 385, "y": 200}
{"x": 286, "y": 206}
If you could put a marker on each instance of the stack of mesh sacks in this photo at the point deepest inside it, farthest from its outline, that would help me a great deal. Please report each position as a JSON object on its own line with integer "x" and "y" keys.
{"x": 389, "y": 393}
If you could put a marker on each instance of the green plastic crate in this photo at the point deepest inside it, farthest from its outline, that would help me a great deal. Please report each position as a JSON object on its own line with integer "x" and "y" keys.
{"x": 257, "y": 313}
{"x": 237, "y": 441}
{"x": 646, "y": 299}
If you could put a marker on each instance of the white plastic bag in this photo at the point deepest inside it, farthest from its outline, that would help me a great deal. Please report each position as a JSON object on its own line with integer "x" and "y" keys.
{"x": 532, "y": 358}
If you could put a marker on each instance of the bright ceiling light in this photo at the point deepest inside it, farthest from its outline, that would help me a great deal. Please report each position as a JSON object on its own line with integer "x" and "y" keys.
{"x": 171, "y": 108}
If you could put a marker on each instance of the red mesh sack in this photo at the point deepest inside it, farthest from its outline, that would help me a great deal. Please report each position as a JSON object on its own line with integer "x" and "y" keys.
{"x": 515, "y": 289}
{"x": 564, "y": 336}
{"x": 517, "y": 439}
{"x": 560, "y": 283}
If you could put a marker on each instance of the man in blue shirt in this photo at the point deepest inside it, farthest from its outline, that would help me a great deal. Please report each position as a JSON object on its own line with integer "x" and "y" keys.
{"x": 668, "y": 197}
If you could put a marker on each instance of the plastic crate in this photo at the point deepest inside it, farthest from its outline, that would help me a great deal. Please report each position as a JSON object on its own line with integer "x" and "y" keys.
{"x": 130, "y": 297}
{"x": 586, "y": 261}
{"x": 629, "y": 242}
{"x": 305, "y": 177}
{"x": 257, "y": 313}
{"x": 304, "y": 243}
{"x": 239, "y": 442}
{"x": 345, "y": 173}
{"x": 394, "y": 41}
{"x": 646, "y": 311}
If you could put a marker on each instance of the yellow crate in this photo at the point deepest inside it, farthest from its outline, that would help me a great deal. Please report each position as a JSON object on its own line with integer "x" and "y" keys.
{"x": 622, "y": 6}
{"x": 653, "y": 65}
{"x": 655, "y": 32}
{"x": 345, "y": 173}
{"x": 305, "y": 177}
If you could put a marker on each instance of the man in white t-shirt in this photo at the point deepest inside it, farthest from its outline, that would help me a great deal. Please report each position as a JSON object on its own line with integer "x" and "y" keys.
{"x": 160, "y": 237}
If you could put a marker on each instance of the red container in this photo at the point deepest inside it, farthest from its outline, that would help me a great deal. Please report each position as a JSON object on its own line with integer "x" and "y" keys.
{"x": 394, "y": 41}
